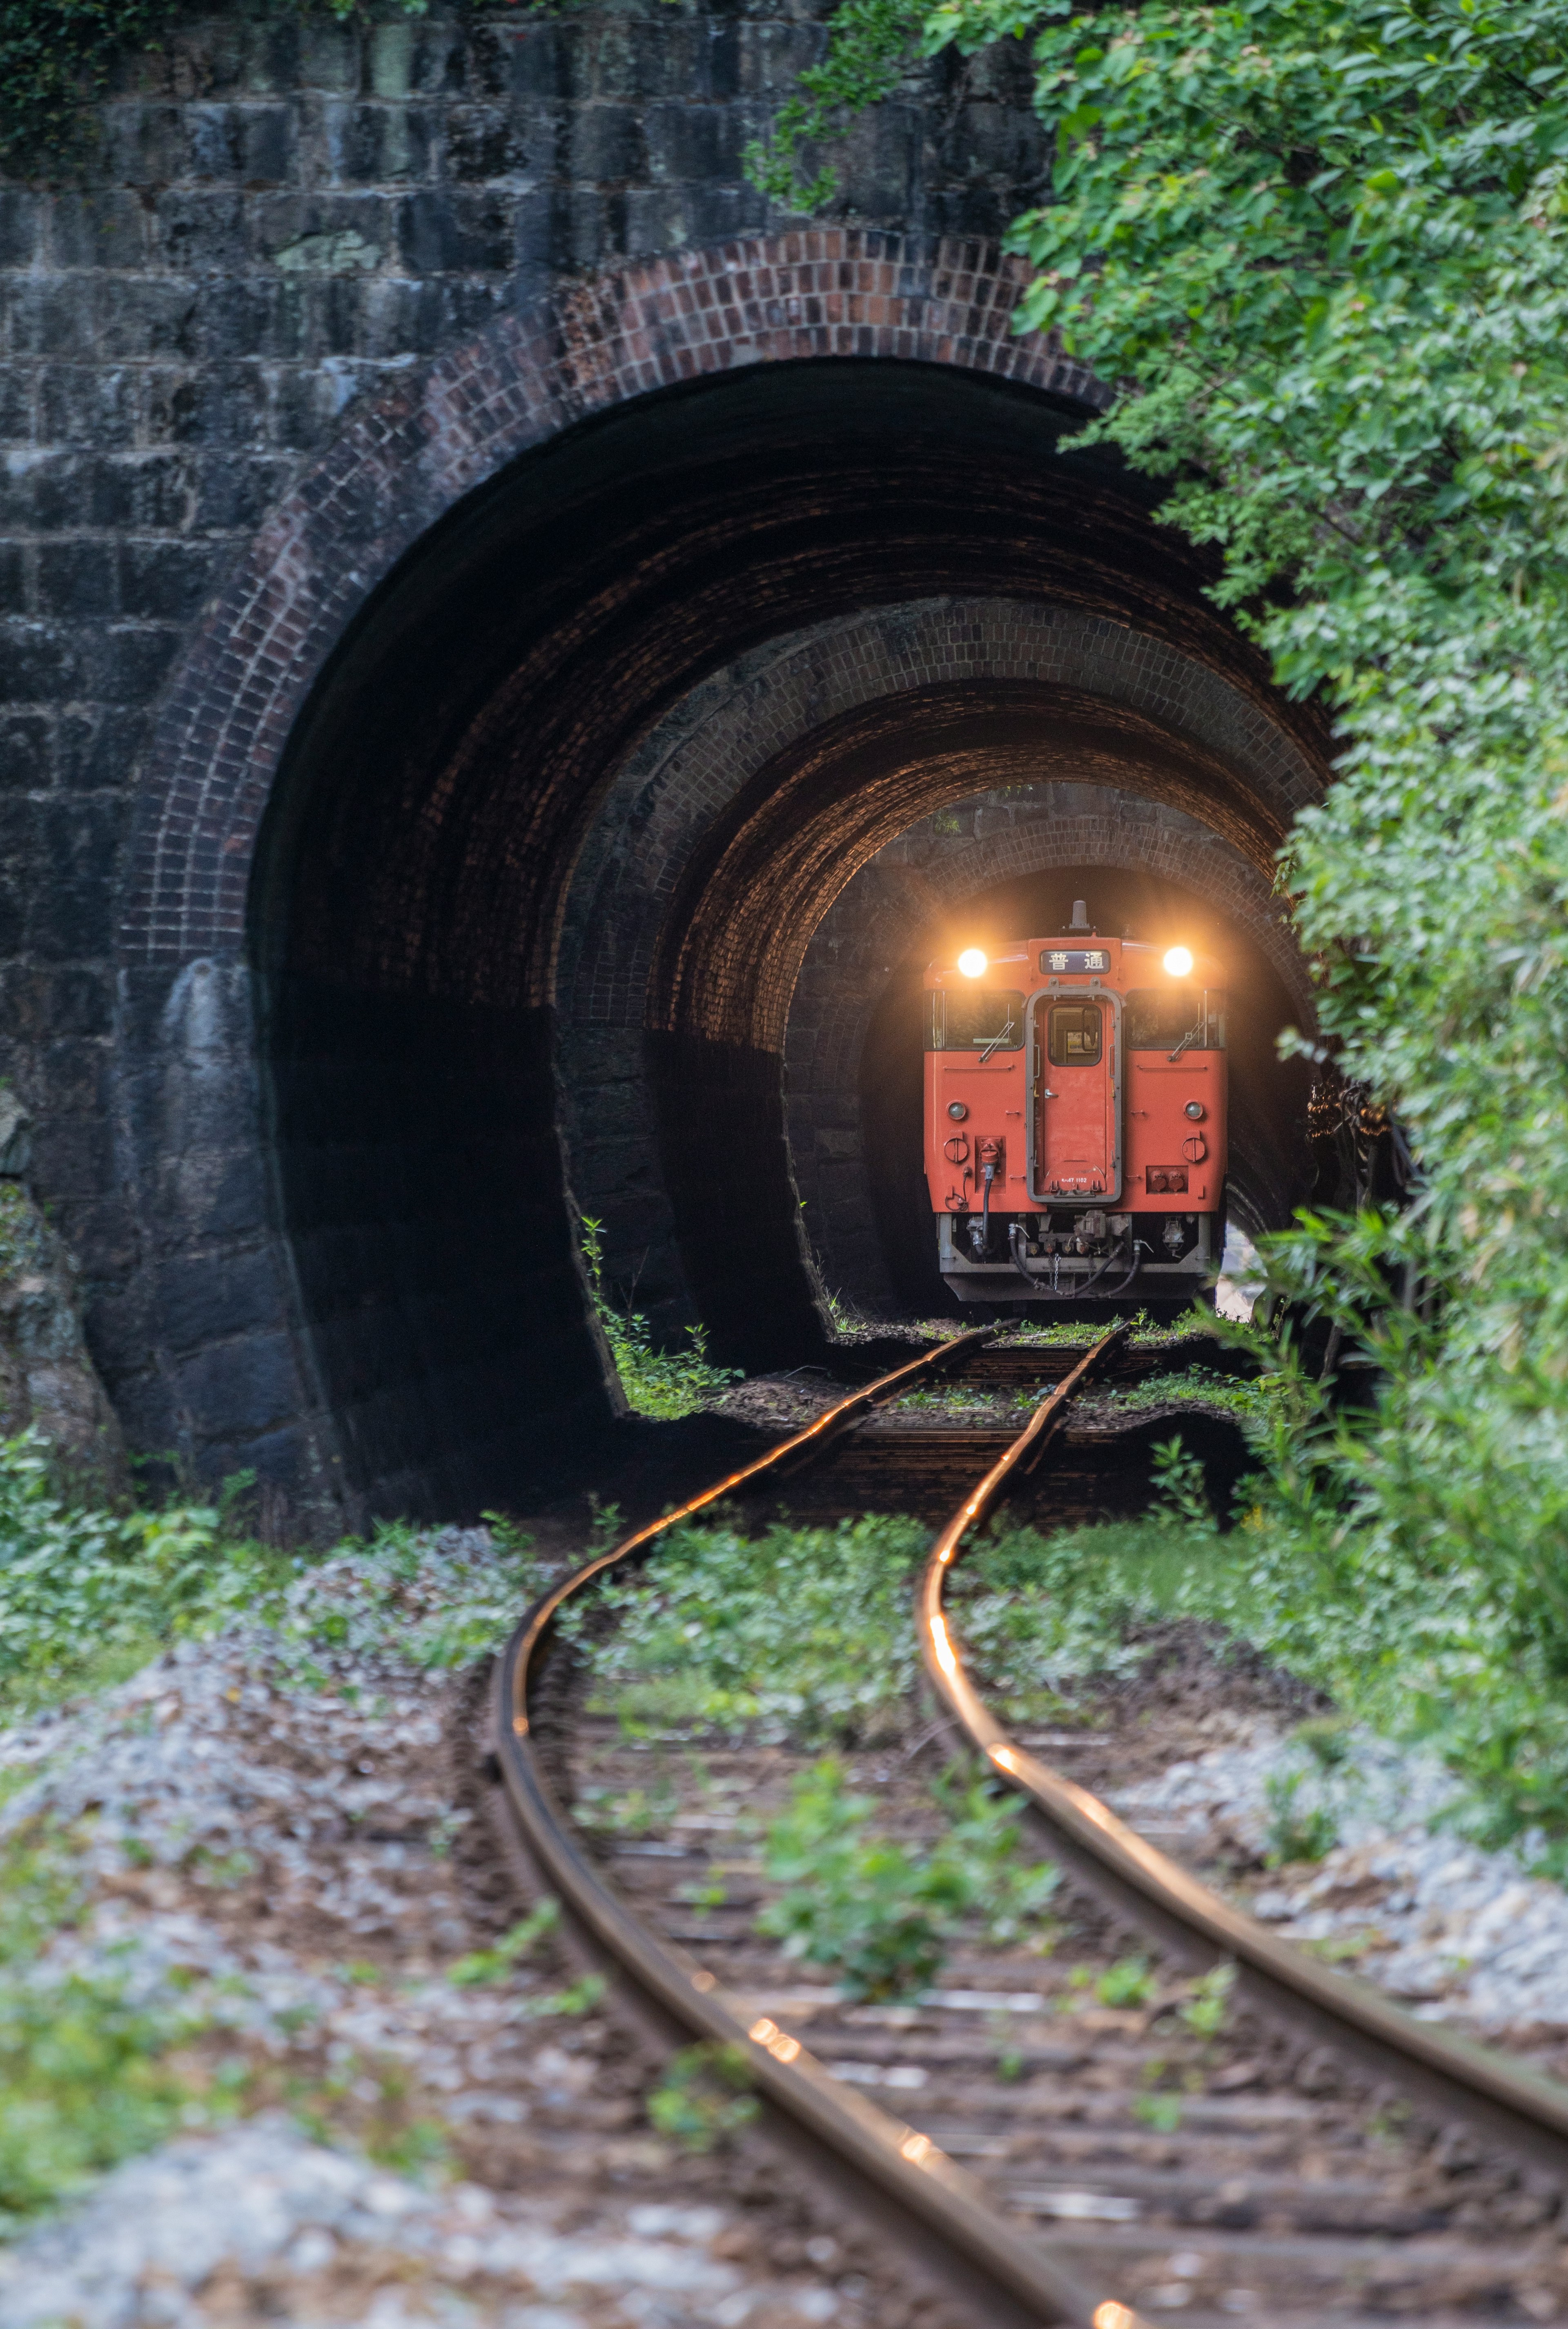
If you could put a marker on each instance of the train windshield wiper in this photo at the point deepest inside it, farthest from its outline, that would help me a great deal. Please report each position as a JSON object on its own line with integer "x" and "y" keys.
{"x": 1193, "y": 1035}
{"x": 995, "y": 1040}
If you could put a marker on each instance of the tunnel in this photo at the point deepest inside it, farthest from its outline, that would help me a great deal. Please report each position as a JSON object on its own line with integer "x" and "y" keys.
{"x": 591, "y": 881}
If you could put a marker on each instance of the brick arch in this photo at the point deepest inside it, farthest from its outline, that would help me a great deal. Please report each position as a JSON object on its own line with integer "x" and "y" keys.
{"x": 407, "y": 462}
{"x": 901, "y": 664}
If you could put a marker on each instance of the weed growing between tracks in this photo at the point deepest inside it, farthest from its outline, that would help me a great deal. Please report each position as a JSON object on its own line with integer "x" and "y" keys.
{"x": 805, "y": 1634}
{"x": 880, "y": 1915}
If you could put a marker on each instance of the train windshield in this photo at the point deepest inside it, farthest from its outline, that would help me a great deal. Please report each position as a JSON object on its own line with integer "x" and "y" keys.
{"x": 1159, "y": 1018}
{"x": 974, "y": 1018}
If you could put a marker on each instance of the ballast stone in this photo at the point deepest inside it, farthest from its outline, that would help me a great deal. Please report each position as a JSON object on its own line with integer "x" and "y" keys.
{"x": 1456, "y": 1931}
{"x": 263, "y": 2196}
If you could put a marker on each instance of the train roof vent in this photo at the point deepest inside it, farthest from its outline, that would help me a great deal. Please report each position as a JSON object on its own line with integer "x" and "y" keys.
{"x": 1080, "y": 921}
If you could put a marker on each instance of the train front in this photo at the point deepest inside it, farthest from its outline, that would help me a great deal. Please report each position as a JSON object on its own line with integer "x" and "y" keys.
{"x": 1076, "y": 1120}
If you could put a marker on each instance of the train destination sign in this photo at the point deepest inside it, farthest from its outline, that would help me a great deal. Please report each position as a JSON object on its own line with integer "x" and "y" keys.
{"x": 1075, "y": 958}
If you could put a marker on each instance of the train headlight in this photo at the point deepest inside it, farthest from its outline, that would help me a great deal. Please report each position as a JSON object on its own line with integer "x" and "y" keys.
{"x": 973, "y": 965}
{"x": 1178, "y": 962}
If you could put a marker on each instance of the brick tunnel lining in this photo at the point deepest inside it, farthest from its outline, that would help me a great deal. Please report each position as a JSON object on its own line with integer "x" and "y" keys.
{"x": 405, "y": 911}
{"x": 738, "y": 928}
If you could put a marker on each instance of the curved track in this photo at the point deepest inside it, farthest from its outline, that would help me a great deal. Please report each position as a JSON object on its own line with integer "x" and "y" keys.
{"x": 902, "y": 2175}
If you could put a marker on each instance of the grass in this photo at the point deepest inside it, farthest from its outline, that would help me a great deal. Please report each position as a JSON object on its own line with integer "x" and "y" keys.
{"x": 798, "y": 1633}
{"x": 663, "y": 1384}
{"x": 89, "y": 2073}
{"x": 88, "y": 1597}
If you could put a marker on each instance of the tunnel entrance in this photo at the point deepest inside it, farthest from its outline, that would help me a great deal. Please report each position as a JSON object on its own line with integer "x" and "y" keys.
{"x": 553, "y": 834}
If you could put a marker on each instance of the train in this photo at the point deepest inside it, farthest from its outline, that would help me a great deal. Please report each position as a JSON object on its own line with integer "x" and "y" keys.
{"x": 1075, "y": 1119}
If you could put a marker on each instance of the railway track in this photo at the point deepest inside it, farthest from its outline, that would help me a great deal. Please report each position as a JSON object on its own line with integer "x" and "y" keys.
{"x": 1196, "y": 2122}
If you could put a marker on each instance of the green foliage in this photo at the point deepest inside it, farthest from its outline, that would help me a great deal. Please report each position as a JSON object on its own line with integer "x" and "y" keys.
{"x": 579, "y": 1997}
{"x": 1181, "y": 1498}
{"x": 704, "y": 2100}
{"x": 1129, "y": 1983}
{"x": 89, "y": 1595}
{"x": 697, "y": 1635}
{"x": 1295, "y": 1830}
{"x": 662, "y": 1383}
{"x": 1320, "y": 249}
{"x": 85, "y": 2075}
{"x": 495, "y": 1963}
{"x": 90, "y": 1592}
{"x": 877, "y": 1912}
{"x": 871, "y": 44}
{"x": 1207, "y": 2010}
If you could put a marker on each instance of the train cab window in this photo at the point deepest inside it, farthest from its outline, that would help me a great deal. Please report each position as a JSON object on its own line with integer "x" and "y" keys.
{"x": 974, "y": 1018}
{"x": 1073, "y": 1034}
{"x": 1159, "y": 1018}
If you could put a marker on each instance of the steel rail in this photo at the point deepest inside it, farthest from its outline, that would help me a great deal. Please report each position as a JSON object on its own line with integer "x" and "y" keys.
{"x": 937, "y": 2213}
{"x": 1444, "y": 2072}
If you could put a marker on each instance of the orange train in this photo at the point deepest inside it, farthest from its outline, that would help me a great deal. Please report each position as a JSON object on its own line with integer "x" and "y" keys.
{"x": 1076, "y": 1119}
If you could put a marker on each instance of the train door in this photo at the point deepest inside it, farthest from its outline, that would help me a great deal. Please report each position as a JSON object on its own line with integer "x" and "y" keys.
{"x": 1076, "y": 1081}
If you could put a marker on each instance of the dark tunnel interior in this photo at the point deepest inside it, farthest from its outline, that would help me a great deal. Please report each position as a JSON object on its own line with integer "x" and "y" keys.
{"x": 436, "y": 794}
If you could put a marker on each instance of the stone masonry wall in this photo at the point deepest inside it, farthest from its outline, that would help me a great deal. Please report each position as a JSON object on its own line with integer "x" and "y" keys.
{"x": 280, "y": 218}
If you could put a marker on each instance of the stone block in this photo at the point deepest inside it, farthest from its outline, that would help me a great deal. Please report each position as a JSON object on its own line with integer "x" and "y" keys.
{"x": 165, "y": 581}
{"x": 202, "y": 1298}
{"x": 409, "y": 58}
{"x": 72, "y": 1157}
{"x": 76, "y": 578}
{"x": 88, "y": 405}
{"x": 454, "y": 230}
{"x": 98, "y": 747}
{"x": 18, "y": 425}
{"x": 78, "y": 837}
{"x": 26, "y": 750}
{"x": 490, "y": 141}
{"x": 234, "y": 493}
{"x": 148, "y": 316}
{"x": 39, "y": 662}
{"x": 698, "y": 142}
{"x": 214, "y": 404}
{"x": 68, "y": 920}
{"x": 199, "y": 230}
{"x": 605, "y": 142}
{"x": 48, "y": 316}
{"x": 105, "y": 226}
{"x": 213, "y": 1194}
{"x": 241, "y": 1387}
{"x": 21, "y": 217}
{"x": 377, "y": 144}
{"x": 78, "y": 1078}
{"x": 127, "y": 662}
{"x": 248, "y": 144}
{"x": 71, "y": 999}
{"x": 144, "y": 144}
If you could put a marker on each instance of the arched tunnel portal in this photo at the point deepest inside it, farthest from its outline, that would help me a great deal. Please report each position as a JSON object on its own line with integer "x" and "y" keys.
{"x": 578, "y": 809}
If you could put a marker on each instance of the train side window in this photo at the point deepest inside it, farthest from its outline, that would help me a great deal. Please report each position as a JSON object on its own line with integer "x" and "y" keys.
{"x": 1073, "y": 1034}
{"x": 1158, "y": 1018}
{"x": 974, "y": 1018}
